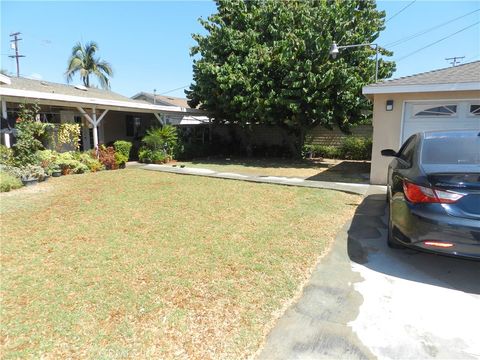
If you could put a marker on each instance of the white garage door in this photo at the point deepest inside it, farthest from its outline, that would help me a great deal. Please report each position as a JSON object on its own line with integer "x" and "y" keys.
{"x": 440, "y": 115}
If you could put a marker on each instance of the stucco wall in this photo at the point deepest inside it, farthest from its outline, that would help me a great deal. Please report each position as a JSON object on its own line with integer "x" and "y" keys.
{"x": 387, "y": 125}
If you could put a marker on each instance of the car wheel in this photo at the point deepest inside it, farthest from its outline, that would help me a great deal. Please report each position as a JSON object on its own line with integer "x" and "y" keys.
{"x": 392, "y": 243}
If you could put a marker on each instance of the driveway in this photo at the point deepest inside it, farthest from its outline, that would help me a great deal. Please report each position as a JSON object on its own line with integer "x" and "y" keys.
{"x": 367, "y": 301}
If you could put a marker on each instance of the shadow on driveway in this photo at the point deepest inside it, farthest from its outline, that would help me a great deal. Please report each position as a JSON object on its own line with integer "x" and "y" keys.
{"x": 367, "y": 245}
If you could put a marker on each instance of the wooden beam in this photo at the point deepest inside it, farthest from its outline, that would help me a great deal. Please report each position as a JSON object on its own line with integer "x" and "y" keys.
{"x": 84, "y": 113}
{"x": 159, "y": 118}
{"x": 101, "y": 116}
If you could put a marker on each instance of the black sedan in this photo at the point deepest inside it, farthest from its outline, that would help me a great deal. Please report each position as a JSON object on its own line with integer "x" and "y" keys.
{"x": 434, "y": 193}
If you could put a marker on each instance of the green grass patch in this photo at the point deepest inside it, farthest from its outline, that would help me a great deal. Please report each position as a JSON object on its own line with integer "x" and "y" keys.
{"x": 143, "y": 264}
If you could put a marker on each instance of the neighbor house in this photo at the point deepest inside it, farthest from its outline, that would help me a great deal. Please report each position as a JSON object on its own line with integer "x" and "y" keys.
{"x": 436, "y": 100}
{"x": 104, "y": 116}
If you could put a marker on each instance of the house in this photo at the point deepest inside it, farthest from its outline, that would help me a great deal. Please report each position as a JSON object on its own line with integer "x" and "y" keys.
{"x": 174, "y": 119}
{"x": 445, "y": 99}
{"x": 104, "y": 116}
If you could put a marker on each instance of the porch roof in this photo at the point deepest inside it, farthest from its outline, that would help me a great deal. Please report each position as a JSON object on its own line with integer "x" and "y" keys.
{"x": 43, "y": 92}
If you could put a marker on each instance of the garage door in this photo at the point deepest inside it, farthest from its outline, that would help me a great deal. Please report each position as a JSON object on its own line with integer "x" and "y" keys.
{"x": 444, "y": 115}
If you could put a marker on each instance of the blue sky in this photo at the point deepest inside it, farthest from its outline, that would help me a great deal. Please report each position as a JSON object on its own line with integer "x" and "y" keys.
{"x": 148, "y": 42}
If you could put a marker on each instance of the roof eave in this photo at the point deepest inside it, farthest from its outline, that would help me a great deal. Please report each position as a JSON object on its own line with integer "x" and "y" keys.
{"x": 393, "y": 89}
{"x": 84, "y": 101}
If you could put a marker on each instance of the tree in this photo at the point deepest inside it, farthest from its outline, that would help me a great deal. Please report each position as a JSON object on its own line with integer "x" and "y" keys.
{"x": 268, "y": 62}
{"x": 83, "y": 61}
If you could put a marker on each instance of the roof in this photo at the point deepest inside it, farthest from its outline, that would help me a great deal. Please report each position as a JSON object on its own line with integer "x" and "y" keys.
{"x": 77, "y": 95}
{"x": 162, "y": 99}
{"x": 456, "y": 78}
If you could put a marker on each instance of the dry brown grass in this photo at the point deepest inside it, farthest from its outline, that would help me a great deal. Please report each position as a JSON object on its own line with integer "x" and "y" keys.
{"x": 142, "y": 264}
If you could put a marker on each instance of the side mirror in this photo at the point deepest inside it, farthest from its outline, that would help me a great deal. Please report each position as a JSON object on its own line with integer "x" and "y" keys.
{"x": 389, "y": 152}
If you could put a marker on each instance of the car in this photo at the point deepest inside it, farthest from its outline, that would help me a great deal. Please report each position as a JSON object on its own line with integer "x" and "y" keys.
{"x": 433, "y": 193}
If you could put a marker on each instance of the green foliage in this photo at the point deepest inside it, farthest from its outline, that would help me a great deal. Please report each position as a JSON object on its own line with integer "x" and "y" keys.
{"x": 9, "y": 182}
{"x": 356, "y": 148}
{"x": 31, "y": 134}
{"x": 68, "y": 134}
{"x": 46, "y": 159}
{"x": 152, "y": 156}
{"x": 6, "y": 155}
{"x": 268, "y": 62}
{"x": 329, "y": 152}
{"x": 122, "y": 151}
{"x": 69, "y": 163}
{"x": 91, "y": 162}
{"x": 84, "y": 61}
{"x": 32, "y": 172}
{"x": 352, "y": 148}
{"x": 162, "y": 139}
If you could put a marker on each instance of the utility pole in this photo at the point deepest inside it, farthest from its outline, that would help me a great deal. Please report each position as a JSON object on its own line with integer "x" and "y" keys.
{"x": 14, "y": 45}
{"x": 454, "y": 59}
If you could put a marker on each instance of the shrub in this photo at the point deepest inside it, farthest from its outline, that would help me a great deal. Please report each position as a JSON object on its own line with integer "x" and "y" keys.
{"x": 162, "y": 139}
{"x": 329, "y": 152}
{"x": 356, "y": 148}
{"x": 106, "y": 156}
{"x": 151, "y": 156}
{"x": 122, "y": 151}
{"x": 11, "y": 170}
{"x": 69, "y": 163}
{"x": 30, "y": 172}
{"x": 91, "y": 162}
{"x": 30, "y": 135}
{"x": 46, "y": 159}
{"x": 6, "y": 155}
{"x": 9, "y": 182}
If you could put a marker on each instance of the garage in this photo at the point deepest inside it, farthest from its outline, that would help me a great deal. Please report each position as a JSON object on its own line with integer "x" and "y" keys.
{"x": 443, "y": 99}
{"x": 440, "y": 115}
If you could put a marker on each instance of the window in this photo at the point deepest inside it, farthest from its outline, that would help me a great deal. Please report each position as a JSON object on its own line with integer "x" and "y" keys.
{"x": 429, "y": 110}
{"x": 452, "y": 150}
{"x": 475, "y": 110}
{"x": 130, "y": 126}
{"x": 407, "y": 150}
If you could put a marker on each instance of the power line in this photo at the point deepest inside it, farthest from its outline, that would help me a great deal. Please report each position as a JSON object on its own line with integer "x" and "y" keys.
{"x": 436, "y": 42}
{"x": 413, "y": 36}
{"x": 400, "y": 11}
{"x": 169, "y": 91}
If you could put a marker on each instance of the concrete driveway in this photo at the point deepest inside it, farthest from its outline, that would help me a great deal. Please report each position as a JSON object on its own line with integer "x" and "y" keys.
{"x": 367, "y": 301}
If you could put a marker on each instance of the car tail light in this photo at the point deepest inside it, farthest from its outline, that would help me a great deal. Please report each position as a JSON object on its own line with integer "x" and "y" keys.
{"x": 422, "y": 194}
{"x": 440, "y": 244}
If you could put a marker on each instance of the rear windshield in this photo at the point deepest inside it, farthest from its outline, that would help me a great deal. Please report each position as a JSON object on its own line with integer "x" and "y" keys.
{"x": 451, "y": 150}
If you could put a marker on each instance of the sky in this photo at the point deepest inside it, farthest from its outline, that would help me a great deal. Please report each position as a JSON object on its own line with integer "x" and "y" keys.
{"x": 148, "y": 43}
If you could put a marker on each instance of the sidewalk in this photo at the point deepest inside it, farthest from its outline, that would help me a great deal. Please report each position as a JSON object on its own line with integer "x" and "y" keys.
{"x": 360, "y": 189}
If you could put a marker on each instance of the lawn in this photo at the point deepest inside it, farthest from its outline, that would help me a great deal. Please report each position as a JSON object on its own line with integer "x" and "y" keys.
{"x": 312, "y": 169}
{"x": 141, "y": 264}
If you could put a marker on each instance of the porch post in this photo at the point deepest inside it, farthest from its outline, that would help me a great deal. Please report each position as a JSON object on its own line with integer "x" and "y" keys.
{"x": 95, "y": 130}
{"x": 6, "y": 136}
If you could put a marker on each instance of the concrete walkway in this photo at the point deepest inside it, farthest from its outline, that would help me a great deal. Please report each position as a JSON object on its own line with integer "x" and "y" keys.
{"x": 360, "y": 189}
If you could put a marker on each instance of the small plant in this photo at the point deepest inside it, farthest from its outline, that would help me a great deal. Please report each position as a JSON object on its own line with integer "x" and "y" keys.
{"x": 9, "y": 182}
{"x": 91, "y": 162}
{"x": 106, "y": 155}
{"x": 32, "y": 172}
{"x": 325, "y": 151}
{"x": 162, "y": 139}
{"x": 122, "y": 151}
{"x": 6, "y": 155}
{"x": 68, "y": 135}
{"x": 69, "y": 163}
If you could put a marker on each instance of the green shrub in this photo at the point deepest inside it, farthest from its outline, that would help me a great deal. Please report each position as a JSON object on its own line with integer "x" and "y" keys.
{"x": 69, "y": 163}
{"x": 122, "y": 151}
{"x": 6, "y": 155}
{"x": 329, "y": 152}
{"x": 31, "y": 172}
{"x": 153, "y": 156}
{"x": 11, "y": 170}
{"x": 91, "y": 162}
{"x": 162, "y": 139}
{"x": 356, "y": 148}
{"x": 9, "y": 182}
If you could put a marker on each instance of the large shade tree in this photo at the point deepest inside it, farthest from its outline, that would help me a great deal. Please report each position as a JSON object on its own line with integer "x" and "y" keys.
{"x": 84, "y": 62}
{"x": 268, "y": 62}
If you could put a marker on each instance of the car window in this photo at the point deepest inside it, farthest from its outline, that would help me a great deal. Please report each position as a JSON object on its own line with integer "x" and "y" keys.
{"x": 407, "y": 150}
{"x": 451, "y": 150}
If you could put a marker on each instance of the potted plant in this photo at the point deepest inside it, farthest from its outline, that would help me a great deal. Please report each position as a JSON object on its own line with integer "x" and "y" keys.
{"x": 32, "y": 174}
{"x": 56, "y": 171}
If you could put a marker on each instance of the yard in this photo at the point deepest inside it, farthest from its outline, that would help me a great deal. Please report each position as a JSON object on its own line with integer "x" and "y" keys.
{"x": 311, "y": 169}
{"x": 140, "y": 264}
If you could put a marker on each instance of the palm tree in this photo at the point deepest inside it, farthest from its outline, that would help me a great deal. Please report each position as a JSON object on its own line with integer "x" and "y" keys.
{"x": 83, "y": 60}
